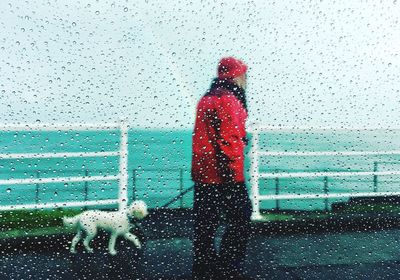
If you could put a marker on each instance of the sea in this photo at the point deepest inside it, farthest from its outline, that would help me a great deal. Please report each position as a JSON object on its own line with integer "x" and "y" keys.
{"x": 159, "y": 165}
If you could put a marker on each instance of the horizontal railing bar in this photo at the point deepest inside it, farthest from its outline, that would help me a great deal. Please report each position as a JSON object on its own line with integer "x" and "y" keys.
{"x": 58, "y": 205}
{"x": 324, "y": 196}
{"x": 329, "y": 153}
{"x": 256, "y": 128}
{"x": 59, "y": 127}
{"x": 157, "y": 179}
{"x": 327, "y": 174}
{"x": 186, "y": 169}
{"x": 58, "y": 180}
{"x": 58, "y": 155}
{"x": 47, "y": 171}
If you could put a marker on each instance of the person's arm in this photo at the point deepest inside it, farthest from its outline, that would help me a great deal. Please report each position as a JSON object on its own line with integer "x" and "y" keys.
{"x": 229, "y": 139}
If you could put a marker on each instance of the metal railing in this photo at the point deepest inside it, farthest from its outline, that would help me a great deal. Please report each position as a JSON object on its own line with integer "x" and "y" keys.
{"x": 256, "y": 175}
{"x": 135, "y": 186}
{"x": 122, "y": 176}
{"x": 182, "y": 191}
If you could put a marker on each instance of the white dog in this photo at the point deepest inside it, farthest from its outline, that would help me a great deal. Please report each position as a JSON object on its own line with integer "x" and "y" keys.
{"x": 117, "y": 222}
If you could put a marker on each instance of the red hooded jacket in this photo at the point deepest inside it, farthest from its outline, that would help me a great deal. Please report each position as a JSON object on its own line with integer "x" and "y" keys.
{"x": 219, "y": 137}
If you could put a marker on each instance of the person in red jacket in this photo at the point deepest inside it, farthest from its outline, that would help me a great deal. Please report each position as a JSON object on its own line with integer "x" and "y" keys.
{"x": 219, "y": 139}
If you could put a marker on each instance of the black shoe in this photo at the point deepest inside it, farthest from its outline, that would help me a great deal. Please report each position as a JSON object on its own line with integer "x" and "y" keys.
{"x": 205, "y": 276}
{"x": 204, "y": 273}
{"x": 240, "y": 277}
{"x": 243, "y": 277}
{"x": 233, "y": 276}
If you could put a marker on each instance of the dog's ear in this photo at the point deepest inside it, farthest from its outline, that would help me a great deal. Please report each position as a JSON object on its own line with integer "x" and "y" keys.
{"x": 139, "y": 204}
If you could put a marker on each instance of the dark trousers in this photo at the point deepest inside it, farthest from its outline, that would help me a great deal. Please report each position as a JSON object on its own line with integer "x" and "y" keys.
{"x": 210, "y": 201}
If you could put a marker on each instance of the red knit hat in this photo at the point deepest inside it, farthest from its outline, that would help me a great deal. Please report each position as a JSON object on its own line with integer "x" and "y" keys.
{"x": 230, "y": 67}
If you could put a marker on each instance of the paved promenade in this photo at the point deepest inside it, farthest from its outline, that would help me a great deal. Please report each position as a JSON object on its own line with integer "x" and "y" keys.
{"x": 167, "y": 254}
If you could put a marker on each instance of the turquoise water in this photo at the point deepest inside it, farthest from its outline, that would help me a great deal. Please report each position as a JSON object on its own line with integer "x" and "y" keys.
{"x": 159, "y": 165}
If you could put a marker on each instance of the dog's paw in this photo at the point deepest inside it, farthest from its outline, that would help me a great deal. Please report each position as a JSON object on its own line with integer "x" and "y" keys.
{"x": 89, "y": 250}
{"x": 113, "y": 252}
{"x": 138, "y": 244}
{"x": 72, "y": 251}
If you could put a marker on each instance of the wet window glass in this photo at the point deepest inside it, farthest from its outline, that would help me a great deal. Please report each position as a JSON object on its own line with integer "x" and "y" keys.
{"x": 199, "y": 140}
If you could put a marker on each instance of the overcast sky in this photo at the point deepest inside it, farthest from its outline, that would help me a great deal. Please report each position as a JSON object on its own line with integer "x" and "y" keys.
{"x": 320, "y": 63}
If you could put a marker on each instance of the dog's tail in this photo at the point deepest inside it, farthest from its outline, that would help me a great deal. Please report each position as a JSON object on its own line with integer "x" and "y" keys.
{"x": 71, "y": 221}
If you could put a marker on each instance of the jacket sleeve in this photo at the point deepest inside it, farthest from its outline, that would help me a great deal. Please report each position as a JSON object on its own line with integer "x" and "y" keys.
{"x": 230, "y": 142}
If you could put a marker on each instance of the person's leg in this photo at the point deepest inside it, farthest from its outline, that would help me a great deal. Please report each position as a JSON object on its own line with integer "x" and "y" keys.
{"x": 234, "y": 241}
{"x": 206, "y": 216}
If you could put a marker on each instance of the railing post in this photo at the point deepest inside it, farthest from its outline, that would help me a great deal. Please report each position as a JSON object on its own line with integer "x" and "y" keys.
{"x": 86, "y": 186}
{"x": 277, "y": 192}
{"x": 134, "y": 187}
{"x": 37, "y": 188}
{"x": 254, "y": 176}
{"x": 123, "y": 166}
{"x": 375, "y": 176}
{"x": 326, "y": 192}
{"x": 181, "y": 186}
